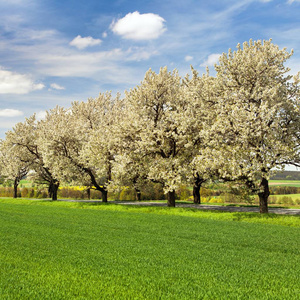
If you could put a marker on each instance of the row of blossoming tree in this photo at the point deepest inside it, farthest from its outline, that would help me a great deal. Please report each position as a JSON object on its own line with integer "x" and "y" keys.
{"x": 238, "y": 125}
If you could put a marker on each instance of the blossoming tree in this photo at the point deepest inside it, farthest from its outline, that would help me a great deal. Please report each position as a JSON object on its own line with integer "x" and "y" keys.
{"x": 76, "y": 142}
{"x": 197, "y": 117}
{"x": 24, "y": 140}
{"x": 153, "y": 110}
{"x": 257, "y": 123}
{"x": 12, "y": 165}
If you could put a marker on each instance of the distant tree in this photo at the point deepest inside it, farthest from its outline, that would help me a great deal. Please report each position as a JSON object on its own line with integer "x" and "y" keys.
{"x": 23, "y": 139}
{"x": 76, "y": 142}
{"x": 13, "y": 166}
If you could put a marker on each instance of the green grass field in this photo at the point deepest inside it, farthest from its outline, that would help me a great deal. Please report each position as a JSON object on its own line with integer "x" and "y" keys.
{"x": 82, "y": 251}
{"x": 295, "y": 183}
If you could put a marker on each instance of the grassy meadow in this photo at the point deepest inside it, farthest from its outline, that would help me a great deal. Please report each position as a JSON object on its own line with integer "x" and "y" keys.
{"x": 59, "y": 250}
{"x": 295, "y": 183}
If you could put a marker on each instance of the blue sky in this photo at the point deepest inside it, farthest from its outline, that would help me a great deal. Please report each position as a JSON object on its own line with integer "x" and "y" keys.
{"x": 55, "y": 52}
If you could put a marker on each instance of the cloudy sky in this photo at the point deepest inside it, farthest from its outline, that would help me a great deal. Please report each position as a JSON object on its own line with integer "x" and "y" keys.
{"x": 53, "y": 52}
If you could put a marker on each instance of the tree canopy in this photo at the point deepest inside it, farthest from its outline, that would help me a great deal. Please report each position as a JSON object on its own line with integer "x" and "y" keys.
{"x": 239, "y": 125}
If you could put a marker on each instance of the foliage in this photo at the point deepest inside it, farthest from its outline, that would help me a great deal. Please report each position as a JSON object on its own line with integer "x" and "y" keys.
{"x": 23, "y": 142}
{"x": 74, "y": 193}
{"x": 256, "y": 116}
{"x": 13, "y": 166}
{"x": 184, "y": 192}
{"x": 127, "y": 194}
{"x": 291, "y": 199}
{"x": 151, "y": 111}
{"x": 237, "y": 126}
{"x": 6, "y": 192}
{"x": 284, "y": 190}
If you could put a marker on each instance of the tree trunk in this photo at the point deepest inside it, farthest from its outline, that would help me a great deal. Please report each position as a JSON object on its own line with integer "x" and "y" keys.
{"x": 263, "y": 196}
{"x": 55, "y": 187}
{"x": 171, "y": 199}
{"x": 104, "y": 196}
{"x": 196, "y": 194}
{"x": 138, "y": 194}
{"x": 196, "y": 188}
{"x": 88, "y": 193}
{"x": 52, "y": 190}
{"x": 16, "y": 183}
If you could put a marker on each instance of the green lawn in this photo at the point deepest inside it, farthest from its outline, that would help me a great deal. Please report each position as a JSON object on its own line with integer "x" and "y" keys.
{"x": 82, "y": 251}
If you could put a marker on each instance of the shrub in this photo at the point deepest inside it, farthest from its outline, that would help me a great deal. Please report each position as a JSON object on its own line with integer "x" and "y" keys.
{"x": 24, "y": 192}
{"x": 112, "y": 195}
{"x": 283, "y": 200}
{"x": 78, "y": 194}
{"x": 287, "y": 200}
{"x": 273, "y": 200}
{"x": 6, "y": 191}
{"x": 31, "y": 193}
{"x": 184, "y": 193}
{"x": 41, "y": 194}
{"x": 152, "y": 191}
{"x": 284, "y": 190}
{"x": 297, "y": 201}
{"x": 216, "y": 200}
{"x": 209, "y": 192}
{"x": 70, "y": 193}
{"x": 230, "y": 198}
{"x": 96, "y": 194}
{"x": 127, "y": 194}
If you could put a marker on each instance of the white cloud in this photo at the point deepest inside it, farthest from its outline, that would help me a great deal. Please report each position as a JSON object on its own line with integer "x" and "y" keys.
{"x": 211, "y": 60}
{"x": 188, "y": 58}
{"x": 110, "y": 65}
{"x": 84, "y": 42}
{"x": 104, "y": 35}
{"x": 9, "y": 113}
{"x": 15, "y": 83}
{"x": 56, "y": 86}
{"x": 139, "y": 54}
{"x": 42, "y": 35}
{"x": 136, "y": 26}
{"x": 292, "y": 1}
{"x": 78, "y": 65}
{"x": 53, "y": 57}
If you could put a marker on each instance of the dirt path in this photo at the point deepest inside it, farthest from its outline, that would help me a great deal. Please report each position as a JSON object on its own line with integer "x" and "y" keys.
{"x": 281, "y": 211}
